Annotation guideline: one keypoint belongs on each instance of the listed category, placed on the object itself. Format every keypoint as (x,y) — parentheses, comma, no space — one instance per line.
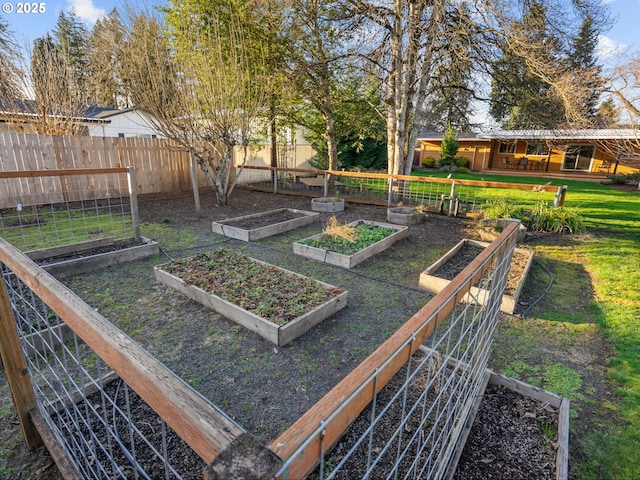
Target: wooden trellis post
(15,367)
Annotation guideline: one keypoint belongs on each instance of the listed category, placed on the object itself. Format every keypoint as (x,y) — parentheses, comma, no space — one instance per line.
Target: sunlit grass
(34,230)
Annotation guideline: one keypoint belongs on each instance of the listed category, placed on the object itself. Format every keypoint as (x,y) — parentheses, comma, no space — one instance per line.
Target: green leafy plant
(540,217)
(262,289)
(449,147)
(360,237)
(428,162)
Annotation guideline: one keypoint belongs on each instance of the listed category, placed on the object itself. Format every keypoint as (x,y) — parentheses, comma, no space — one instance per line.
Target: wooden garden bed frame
(278,334)
(430,281)
(222,228)
(350,261)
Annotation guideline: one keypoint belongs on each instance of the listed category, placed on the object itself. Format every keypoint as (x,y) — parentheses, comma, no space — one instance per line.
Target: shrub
(463,162)
(463,170)
(429,162)
(623,179)
(449,147)
(538,218)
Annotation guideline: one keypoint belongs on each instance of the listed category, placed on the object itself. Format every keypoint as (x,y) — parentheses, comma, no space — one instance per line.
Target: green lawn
(610,252)
(33,230)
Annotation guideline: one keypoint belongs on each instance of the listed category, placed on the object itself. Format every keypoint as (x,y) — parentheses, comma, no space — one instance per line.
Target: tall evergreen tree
(585,67)
(72,36)
(520,97)
(9,58)
(451,93)
(104,81)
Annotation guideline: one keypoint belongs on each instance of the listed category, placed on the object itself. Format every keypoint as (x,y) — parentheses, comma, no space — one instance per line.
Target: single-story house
(127,123)
(20,116)
(603,151)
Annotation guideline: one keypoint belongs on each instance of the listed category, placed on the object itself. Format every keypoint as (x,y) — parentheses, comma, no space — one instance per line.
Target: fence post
(15,367)
(325,192)
(389,190)
(558,201)
(194,179)
(452,199)
(246,458)
(133,200)
(274,171)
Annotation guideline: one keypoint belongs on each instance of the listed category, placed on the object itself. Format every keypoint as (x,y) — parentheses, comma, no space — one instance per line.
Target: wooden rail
(386,361)
(198,423)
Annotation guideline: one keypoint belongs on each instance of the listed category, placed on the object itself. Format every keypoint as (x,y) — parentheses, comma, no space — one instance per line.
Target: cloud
(608,48)
(86,10)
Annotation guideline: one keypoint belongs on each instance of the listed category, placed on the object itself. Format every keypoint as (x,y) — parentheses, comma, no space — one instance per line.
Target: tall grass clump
(541,217)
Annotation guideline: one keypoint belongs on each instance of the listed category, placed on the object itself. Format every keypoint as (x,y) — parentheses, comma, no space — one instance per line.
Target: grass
(36,229)
(609,258)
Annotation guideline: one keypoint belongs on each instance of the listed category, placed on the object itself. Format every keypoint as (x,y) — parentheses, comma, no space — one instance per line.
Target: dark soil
(269,218)
(262,387)
(512,437)
(468,253)
(179,455)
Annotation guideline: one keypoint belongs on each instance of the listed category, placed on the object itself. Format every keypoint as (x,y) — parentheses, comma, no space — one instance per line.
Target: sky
(624,35)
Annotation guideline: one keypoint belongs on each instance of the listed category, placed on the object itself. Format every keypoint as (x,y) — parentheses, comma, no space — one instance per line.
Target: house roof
(103,112)
(427,135)
(26,109)
(564,134)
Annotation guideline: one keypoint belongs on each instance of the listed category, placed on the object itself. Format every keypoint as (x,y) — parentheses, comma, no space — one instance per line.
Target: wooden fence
(162,165)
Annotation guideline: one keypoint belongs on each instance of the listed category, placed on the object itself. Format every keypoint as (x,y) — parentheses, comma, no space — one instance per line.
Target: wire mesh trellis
(412,425)
(444,195)
(103,426)
(68,208)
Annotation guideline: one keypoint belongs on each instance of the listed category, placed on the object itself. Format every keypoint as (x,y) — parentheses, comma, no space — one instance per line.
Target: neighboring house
(127,123)
(20,116)
(605,151)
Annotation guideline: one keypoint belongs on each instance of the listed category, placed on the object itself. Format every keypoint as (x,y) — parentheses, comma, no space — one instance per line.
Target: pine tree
(520,98)
(71,36)
(585,67)
(104,81)
(9,57)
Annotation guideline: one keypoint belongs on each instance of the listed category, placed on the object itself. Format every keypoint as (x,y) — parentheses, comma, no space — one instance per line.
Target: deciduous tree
(203,85)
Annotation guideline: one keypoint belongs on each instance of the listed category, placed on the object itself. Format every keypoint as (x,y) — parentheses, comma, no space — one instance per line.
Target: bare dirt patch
(468,253)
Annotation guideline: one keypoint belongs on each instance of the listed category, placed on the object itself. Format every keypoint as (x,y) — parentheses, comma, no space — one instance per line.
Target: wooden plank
(65,466)
(203,427)
(61,173)
(562,455)
(526,390)
(15,367)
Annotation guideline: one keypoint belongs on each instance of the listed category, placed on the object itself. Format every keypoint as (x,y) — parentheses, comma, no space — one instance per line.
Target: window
(507,147)
(537,149)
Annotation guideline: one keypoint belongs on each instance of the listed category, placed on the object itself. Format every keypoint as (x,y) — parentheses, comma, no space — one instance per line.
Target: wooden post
(133,200)
(15,367)
(244,459)
(558,201)
(194,179)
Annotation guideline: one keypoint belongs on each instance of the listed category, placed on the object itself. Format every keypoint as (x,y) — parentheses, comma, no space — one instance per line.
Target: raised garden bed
(514,430)
(312,247)
(275,303)
(92,255)
(439,275)
(517,428)
(327,204)
(404,215)
(264,224)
